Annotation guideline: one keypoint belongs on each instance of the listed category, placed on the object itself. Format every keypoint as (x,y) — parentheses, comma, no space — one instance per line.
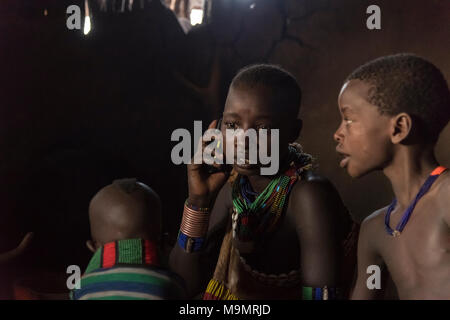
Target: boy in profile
(393,110)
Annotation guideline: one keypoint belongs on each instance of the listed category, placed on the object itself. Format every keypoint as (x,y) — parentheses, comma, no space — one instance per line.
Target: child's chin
(247,170)
(356,173)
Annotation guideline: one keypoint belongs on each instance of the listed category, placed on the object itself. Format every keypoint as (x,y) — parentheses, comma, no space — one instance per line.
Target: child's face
(252,109)
(364,134)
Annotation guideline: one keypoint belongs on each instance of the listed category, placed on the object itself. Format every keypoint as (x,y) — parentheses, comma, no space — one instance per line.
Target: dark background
(78,111)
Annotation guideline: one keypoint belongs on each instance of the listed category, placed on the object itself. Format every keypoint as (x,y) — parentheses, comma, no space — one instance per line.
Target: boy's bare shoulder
(374,221)
(443,194)
(444,189)
(372,227)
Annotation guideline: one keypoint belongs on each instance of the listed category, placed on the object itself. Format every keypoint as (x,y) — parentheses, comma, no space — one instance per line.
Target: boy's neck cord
(407,214)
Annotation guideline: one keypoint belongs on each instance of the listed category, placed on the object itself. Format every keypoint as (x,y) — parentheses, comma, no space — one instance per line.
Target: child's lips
(345,157)
(246,166)
(242,160)
(344,161)
(244,163)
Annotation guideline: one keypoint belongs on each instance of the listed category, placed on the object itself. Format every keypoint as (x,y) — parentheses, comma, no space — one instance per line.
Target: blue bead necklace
(407,214)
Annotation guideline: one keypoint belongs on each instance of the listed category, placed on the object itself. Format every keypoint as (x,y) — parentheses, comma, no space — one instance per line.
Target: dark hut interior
(80,108)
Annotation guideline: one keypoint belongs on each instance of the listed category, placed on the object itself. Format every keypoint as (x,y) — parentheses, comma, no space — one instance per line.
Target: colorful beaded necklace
(407,214)
(253,214)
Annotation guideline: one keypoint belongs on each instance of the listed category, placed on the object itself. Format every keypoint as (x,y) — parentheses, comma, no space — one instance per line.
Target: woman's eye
(263,127)
(230,125)
(348,121)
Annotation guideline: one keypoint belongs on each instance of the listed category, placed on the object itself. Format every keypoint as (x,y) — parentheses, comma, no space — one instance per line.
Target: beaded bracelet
(325,293)
(190,244)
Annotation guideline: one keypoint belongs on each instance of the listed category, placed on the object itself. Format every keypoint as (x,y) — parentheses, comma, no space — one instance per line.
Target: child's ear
(401,127)
(91,246)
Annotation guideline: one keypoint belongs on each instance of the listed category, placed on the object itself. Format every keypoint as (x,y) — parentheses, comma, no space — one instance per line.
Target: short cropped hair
(149,199)
(408,83)
(286,91)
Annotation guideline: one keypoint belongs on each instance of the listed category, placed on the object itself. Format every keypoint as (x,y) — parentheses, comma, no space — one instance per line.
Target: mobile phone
(223,167)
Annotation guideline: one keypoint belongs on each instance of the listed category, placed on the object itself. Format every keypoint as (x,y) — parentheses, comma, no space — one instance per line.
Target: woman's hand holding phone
(204,181)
